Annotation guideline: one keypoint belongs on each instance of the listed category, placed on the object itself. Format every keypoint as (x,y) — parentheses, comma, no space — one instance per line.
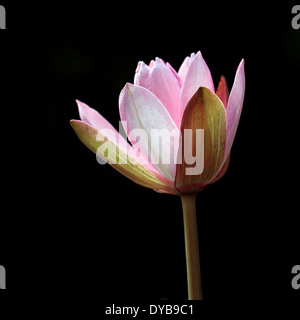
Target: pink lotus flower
(159,99)
(173,104)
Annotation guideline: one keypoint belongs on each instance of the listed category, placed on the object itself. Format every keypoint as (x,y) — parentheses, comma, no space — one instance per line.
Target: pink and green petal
(223,170)
(119,160)
(96,120)
(204,111)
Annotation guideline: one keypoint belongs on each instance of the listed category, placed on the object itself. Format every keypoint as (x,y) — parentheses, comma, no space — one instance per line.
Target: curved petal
(182,72)
(150,128)
(96,120)
(141,74)
(198,75)
(164,83)
(175,74)
(204,111)
(223,170)
(234,106)
(119,160)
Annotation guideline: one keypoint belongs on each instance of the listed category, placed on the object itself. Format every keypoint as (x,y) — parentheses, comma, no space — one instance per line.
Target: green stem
(191,246)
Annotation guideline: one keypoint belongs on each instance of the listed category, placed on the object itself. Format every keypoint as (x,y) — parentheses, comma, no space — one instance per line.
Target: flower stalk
(188,201)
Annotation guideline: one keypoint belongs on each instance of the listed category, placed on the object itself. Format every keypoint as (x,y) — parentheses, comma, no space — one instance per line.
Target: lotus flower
(171,104)
(163,99)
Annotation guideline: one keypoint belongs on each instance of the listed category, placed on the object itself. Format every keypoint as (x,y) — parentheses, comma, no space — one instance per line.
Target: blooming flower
(163,99)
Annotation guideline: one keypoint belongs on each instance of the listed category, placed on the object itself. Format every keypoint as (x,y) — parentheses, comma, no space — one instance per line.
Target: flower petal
(118,159)
(223,170)
(182,72)
(96,120)
(204,111)
(184,68)
(234,107)
(198,75)
(143,112)
(222,91)
(141,74)
(163,81)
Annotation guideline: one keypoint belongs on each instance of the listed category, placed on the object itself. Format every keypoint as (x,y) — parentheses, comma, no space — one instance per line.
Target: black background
(78,231)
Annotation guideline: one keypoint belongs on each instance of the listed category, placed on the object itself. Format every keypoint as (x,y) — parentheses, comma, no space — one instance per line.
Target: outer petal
(204,111)
(234,107)
(223,170)
(198,75)
(142,110)
(96,120)
(126,165)
(164,83)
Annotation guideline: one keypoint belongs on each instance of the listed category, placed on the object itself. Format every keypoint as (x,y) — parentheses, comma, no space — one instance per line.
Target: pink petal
(119,160)
(182,72)
(198,75)
(162,80)
(96,120)
(234,106)
(141,109)
(141,74)
(175,74)
(151,64)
